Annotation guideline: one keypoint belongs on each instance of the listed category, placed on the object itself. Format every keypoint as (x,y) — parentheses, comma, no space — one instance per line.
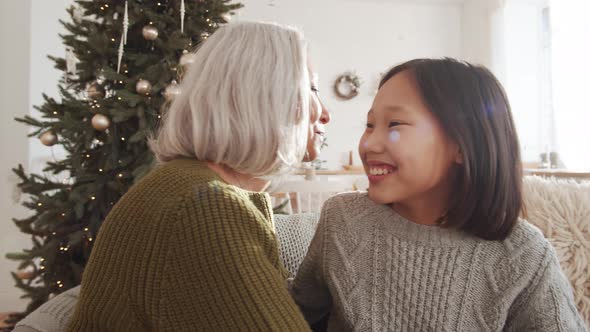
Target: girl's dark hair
(474,111)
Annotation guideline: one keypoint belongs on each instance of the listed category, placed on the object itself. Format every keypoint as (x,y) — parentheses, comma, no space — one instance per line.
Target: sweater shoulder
(520,259)
(352,200)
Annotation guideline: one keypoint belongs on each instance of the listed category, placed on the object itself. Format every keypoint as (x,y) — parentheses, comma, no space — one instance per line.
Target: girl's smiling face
(405,151)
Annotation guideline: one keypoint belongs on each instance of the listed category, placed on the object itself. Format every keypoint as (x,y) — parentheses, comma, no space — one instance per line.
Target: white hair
(242,101)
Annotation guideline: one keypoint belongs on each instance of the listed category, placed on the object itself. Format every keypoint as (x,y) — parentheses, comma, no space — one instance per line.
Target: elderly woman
(191,246)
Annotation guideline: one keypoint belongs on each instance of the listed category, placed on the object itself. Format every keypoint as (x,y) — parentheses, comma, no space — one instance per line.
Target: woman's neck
(244,181)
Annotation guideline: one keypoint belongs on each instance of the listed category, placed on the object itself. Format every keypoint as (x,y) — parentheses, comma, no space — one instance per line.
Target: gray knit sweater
(376,271)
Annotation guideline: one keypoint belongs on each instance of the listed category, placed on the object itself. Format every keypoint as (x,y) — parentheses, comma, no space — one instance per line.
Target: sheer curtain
(570,30)
(541,53)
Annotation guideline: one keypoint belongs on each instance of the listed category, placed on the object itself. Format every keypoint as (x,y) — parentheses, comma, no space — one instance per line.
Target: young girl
(436,243)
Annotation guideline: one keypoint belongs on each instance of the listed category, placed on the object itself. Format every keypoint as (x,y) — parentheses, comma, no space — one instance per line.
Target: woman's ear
(458,155)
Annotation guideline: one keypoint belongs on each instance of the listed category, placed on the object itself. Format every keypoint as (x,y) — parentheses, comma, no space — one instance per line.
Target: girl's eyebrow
(393,108)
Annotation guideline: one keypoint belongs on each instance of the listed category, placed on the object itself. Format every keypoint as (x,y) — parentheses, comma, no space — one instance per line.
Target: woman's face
(318,117)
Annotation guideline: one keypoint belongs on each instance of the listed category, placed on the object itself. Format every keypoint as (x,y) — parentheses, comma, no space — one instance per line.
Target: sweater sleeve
(547,304)
(309,288)
(221,273)
(53,315)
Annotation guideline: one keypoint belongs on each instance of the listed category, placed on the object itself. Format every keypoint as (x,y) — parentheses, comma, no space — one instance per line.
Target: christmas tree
(123,59)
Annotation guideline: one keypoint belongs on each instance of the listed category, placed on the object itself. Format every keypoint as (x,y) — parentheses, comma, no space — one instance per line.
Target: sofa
(559,207)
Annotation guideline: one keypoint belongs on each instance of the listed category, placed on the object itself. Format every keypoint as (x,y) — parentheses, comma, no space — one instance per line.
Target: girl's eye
(394,124)
(369,125)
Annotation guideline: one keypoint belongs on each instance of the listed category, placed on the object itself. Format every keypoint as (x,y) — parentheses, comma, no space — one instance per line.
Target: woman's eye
(394,124)
(369,125)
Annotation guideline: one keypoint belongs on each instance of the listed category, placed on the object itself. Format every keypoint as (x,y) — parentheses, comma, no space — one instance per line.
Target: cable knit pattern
(185,251)
(373,270)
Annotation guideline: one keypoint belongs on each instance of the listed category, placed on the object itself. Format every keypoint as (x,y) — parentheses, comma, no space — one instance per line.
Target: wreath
(347,86)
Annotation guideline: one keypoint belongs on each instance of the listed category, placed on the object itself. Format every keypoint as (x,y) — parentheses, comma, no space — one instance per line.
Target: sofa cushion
(561,209)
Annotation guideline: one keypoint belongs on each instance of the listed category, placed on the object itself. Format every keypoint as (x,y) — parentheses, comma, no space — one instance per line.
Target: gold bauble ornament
(150,32)
(25,274)
(48,138)
(94,91)
(143,87)
(187,58)
(100,122)
(172,91)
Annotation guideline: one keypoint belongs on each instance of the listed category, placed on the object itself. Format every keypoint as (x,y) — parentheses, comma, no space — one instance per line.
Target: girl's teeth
(377,171)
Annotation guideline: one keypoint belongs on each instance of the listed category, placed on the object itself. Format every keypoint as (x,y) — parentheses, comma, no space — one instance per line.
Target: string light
(86,229)
(122,138)
(120,175)
(54,113)
(112,39)
(92,198)
(87,156)
(39,204)
(100,170)
(106,5)
(89,239)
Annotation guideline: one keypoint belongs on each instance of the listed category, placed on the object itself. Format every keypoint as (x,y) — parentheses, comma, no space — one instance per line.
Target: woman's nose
(325,117)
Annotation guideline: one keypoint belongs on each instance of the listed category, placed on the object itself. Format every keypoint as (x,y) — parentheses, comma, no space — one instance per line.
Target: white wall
(367,37)
(14,102)
(45,30)
(28,32)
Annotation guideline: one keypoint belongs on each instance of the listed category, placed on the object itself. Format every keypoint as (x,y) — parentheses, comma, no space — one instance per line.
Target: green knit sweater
(185,251)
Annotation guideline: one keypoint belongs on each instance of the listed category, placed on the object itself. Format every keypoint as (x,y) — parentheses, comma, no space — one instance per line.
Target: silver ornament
(143,87)
(78,14)
(226,17)
(187,58)
(71,61)
(150,32)
(100,122)
(48,138)
(172,91)
(182,12)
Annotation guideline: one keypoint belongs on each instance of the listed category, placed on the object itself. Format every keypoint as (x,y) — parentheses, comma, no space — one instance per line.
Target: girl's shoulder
(525,236)
(517,259)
